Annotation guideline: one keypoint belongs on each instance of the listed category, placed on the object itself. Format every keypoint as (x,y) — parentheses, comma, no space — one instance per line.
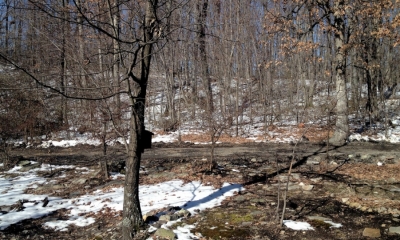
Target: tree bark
(341,126)
(132,214)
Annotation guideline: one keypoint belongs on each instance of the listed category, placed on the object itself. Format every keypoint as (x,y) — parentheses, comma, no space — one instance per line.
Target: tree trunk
(132,214)
(341,127)
(205,74)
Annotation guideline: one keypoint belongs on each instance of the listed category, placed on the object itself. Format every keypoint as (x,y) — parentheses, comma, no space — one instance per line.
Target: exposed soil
(347,186)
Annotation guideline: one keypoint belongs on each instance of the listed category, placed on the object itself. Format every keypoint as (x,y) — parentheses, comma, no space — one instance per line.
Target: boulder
(372,232)
(394,230)
(165,233)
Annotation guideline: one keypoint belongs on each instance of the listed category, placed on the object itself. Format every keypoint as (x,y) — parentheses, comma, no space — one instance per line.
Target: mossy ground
(222,223)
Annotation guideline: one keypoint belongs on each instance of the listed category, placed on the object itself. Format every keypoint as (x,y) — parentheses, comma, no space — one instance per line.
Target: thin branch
(55,89)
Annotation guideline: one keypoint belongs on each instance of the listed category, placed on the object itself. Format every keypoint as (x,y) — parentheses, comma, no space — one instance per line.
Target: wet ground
(356,185)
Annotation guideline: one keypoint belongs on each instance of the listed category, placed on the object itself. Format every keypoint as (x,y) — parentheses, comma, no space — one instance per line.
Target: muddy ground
(356,185)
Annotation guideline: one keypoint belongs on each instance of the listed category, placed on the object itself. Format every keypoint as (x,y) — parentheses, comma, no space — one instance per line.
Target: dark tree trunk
(132,214)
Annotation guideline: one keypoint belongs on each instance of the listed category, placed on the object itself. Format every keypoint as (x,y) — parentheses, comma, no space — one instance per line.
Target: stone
(246,224)
(315,160)
(183,213)
(318,218)
(165,218)
(23,163)
(372,232)
(366,157)
(79,181)
(295,176)
(254,160)
(394,230)
(395,189)
(290,187)
(354,205)
(30,167)
(240,198)
(316,180)
(165,233)
(382,210)
(364,209)
(257,213)
(307,187)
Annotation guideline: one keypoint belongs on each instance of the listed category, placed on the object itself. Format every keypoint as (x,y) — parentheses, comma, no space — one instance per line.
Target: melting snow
(191,196)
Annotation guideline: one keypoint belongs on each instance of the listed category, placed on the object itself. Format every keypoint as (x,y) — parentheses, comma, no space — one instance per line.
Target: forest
(212,62)
(112,67)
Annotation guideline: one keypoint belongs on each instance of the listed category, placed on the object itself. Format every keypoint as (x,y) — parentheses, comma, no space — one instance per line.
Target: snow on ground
(286,133)
(297,225)
(190,196)
(301,226)
(70,143)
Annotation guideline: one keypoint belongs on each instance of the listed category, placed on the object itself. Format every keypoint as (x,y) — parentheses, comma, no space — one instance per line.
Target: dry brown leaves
(313,133)
(372,172)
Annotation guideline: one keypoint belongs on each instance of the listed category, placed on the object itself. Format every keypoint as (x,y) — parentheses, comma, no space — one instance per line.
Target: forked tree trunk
(132,214)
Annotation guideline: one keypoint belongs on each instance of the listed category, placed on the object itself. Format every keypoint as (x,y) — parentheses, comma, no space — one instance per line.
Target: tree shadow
(258,179)
(219,193)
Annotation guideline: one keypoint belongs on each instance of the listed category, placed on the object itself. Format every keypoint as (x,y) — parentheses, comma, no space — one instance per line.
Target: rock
(258,200)
(257,213)
(366,157)
(354,205)
(395,189)
(318,218)
(372,232)
(316,160)
(79,181)
(246,224)
(165,218)
(254,160)
(23,163)
(30,167)
(382,210)
(307,187)
(344,200)
(364,209)
(316,180)
(183,213)
(293,176)
(240,198)
(165,233)
(394,230)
